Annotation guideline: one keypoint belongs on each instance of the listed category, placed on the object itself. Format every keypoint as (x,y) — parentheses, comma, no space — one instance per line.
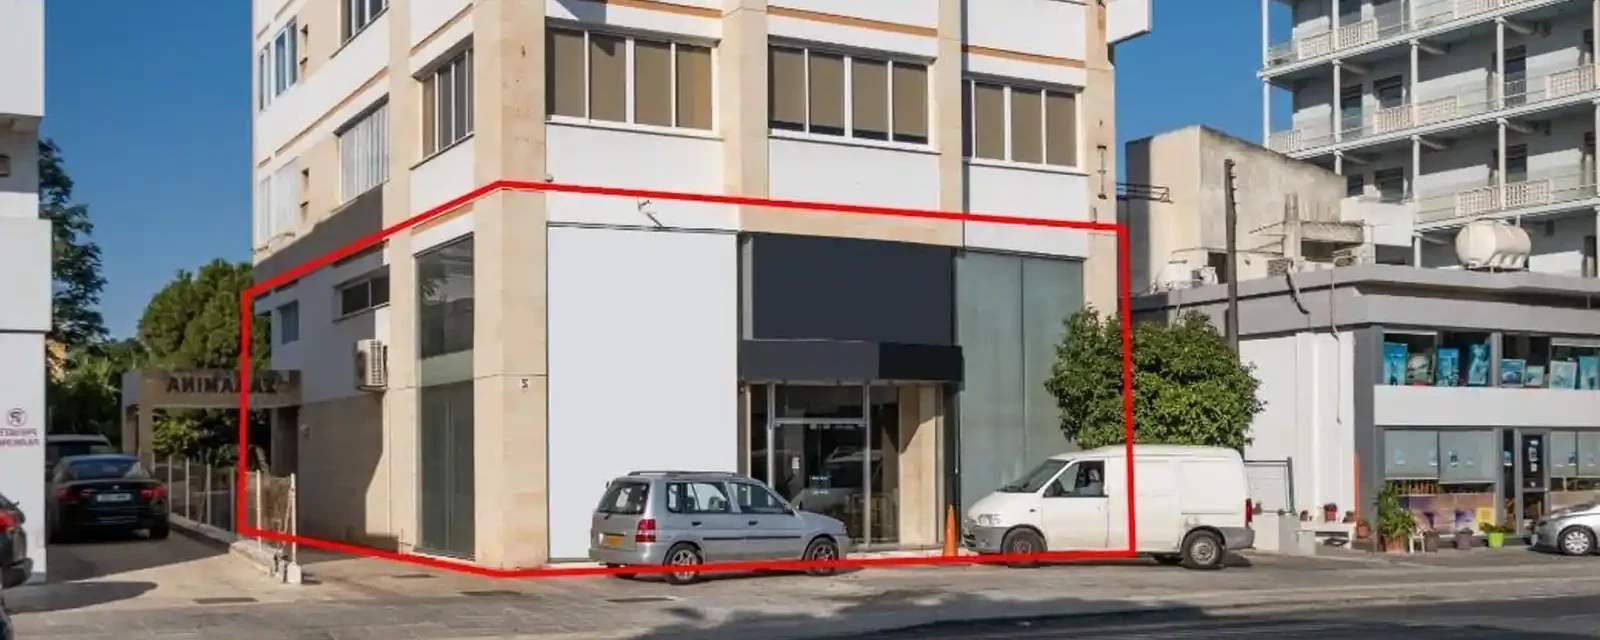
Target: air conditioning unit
(1203,276)
(372,365)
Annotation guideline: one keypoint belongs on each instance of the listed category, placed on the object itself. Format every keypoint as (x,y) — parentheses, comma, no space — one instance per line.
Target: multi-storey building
(848,361)
(25,259)
(1463,109)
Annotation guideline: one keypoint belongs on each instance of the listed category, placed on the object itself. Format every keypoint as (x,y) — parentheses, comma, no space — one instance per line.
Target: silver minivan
(684,519)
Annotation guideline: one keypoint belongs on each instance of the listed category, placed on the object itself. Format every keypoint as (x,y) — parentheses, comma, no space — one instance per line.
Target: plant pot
(1463,540)
(1363,531)
(1496,540)
(1330,515)
(1394,544)
(1430,542)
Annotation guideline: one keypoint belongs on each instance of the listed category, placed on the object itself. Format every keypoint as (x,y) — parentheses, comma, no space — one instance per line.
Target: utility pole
(1231,223)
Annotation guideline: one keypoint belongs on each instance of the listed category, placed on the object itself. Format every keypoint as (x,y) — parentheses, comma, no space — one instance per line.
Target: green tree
(1188,386)
(87,397)
(193,323)
(76,257)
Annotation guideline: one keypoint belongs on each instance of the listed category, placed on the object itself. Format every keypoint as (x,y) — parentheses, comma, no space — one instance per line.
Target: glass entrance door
(820,466)
(1533,475)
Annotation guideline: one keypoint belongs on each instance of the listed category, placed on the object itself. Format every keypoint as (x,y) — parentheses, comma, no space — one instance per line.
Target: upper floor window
(361,295)
(844,95)
(447,103)
(289,323)
(360,13)
(613,78)
(278,65)
(1020,124)
(364,153)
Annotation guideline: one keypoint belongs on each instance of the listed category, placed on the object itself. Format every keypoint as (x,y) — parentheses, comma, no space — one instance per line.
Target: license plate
(611,539)
(114,497)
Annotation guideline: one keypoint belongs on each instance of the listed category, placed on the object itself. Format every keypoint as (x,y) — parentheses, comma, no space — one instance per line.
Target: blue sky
(156,128)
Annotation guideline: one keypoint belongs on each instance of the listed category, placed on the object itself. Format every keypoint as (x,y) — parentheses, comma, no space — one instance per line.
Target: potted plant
(1305,516)
(1349,517)
(1496,533)
(1395,523)
(1330,512)
(1363,530)
(1463,539)
(1430,541)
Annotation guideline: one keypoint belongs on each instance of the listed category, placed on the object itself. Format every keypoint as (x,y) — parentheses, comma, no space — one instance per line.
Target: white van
(1192,503)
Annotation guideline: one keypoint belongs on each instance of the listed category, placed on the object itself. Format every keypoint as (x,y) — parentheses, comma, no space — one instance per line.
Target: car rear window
(625,498)
(105,469)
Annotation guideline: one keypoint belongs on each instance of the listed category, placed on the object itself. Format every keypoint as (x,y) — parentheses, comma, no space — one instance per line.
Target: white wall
(22,433)
(845,172)
(683,161)
(1308,418)
(643,363)
(22,50)
(1041,193)
(444,177)
(1405,406)
(325,352)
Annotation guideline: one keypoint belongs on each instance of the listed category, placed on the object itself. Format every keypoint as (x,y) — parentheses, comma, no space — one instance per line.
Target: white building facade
(25,259)
(540,345)
(1461,109)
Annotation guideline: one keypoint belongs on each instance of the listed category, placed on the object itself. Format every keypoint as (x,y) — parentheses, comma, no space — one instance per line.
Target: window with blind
(611,78)
(277,65)
(263,213)
(447,103)
(360,13)
(364,153)
(833,94)
(1020,124)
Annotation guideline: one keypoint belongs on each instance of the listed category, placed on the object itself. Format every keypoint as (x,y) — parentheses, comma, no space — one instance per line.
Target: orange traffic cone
(951,533)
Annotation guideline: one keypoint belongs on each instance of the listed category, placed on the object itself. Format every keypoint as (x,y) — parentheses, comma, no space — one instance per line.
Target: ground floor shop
(1473,394)
(881,383)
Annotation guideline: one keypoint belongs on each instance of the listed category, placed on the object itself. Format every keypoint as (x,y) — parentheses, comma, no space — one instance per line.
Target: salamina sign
(265,382)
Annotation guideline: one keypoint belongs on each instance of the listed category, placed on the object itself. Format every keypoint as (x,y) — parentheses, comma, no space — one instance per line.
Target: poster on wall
(1394,363)
(1589,372)
(1563,374)
(1478,365)
(1511,372)
(1419,369)
(1533,376)
(1449,368)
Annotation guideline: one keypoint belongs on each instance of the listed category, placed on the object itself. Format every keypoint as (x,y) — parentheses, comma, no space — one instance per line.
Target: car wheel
(1203,550)
(1575,541)
(822,550)
(1168,559)
(1022,542)
(160,531)
(683,557)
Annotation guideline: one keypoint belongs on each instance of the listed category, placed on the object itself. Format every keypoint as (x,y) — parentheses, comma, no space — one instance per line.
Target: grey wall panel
(989,294)
(1051,291)
(1467,456)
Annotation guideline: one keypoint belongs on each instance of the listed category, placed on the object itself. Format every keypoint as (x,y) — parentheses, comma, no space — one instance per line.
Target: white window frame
(278,65)
(364,152)
(263,212)
(360,14)
(849,95)
(285,200)
(284,311)
(1044,122)
(461,60)
(628,91)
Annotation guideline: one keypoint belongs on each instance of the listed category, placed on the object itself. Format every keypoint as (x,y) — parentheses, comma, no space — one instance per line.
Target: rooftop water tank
(1493,246)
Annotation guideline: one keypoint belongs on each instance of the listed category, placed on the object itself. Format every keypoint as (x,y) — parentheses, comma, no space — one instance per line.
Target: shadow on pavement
(91,557)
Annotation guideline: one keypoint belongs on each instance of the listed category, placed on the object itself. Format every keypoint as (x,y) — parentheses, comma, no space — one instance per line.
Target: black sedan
(106,493)
(15,566)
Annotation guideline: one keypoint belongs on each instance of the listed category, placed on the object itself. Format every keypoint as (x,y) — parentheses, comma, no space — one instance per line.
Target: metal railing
(1411,17)
(1556,85)
(1470,202)
(208,494)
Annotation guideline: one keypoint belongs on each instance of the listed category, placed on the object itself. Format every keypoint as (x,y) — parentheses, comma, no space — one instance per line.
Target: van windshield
(1036,479)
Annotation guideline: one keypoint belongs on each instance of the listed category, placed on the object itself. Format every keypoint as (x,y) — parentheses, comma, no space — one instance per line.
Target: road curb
(245,549)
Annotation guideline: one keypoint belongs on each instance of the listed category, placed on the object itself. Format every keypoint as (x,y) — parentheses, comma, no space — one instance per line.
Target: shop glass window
(1574,364)
(1408,357)
(1524,360)
(1462,359)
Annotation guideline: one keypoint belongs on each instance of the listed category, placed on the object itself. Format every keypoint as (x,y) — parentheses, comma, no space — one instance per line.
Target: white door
(1075,508)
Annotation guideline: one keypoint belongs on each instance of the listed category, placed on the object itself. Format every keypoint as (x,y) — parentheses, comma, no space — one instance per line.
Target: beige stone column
(147,434)
(510,416)
(742,97)
(130,429)
(1097,117)
(921,418)
(948,117)
(397,469)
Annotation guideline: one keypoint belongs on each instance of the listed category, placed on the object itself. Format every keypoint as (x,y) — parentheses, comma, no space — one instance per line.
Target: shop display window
(1524,361)
(1574,364)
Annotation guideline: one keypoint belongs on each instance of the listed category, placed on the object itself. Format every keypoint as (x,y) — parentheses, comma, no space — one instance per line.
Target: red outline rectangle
(261,288)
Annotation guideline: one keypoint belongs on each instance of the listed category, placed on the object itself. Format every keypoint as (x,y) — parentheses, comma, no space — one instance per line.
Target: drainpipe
(1338,96)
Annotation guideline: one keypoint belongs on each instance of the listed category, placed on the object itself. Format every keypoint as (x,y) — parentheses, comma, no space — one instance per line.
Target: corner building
(875,369)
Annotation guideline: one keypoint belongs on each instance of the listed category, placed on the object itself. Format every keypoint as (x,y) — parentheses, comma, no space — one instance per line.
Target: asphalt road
(1530,619)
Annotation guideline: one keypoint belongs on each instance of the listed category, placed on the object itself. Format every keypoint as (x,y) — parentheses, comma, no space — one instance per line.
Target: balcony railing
(1412,17)
(1517,93)
(1460,204)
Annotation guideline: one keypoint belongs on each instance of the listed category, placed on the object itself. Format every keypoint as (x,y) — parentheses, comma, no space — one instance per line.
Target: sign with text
(216,388)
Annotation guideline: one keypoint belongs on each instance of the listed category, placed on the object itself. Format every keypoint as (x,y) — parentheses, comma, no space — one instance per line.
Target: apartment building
(1461,109)
(25,259)
(848,361)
